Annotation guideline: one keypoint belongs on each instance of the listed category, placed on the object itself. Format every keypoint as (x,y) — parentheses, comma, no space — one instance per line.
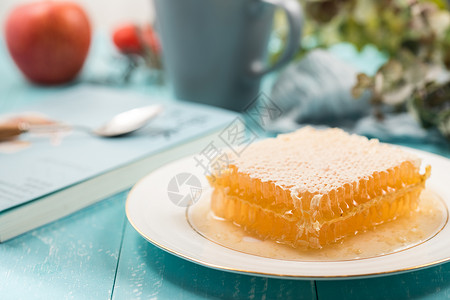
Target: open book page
(35,165)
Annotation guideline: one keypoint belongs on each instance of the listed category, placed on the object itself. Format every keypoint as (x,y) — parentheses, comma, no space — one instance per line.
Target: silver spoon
(121,124)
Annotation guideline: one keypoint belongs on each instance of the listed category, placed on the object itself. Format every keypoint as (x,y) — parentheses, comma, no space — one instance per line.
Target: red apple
(48,41)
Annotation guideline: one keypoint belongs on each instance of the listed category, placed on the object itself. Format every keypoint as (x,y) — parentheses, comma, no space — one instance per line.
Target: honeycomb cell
(314,187)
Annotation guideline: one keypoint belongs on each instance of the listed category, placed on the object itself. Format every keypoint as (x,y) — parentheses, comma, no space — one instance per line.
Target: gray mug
(214,51)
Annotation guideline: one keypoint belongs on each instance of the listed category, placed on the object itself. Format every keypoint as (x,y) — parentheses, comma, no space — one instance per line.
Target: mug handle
(294,15)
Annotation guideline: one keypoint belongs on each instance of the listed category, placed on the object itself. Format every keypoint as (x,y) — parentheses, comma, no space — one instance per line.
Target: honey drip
(402,233)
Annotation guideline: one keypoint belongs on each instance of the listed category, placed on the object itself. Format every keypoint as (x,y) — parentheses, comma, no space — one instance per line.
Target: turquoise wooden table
(96,254)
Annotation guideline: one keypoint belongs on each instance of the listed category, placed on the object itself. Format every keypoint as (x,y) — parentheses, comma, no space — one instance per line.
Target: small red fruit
(127,40)
(133,39)
(150,39)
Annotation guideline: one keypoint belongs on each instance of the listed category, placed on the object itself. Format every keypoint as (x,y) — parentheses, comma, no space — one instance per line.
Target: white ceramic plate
(161,222)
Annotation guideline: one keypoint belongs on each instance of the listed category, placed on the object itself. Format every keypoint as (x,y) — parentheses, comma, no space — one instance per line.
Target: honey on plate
(403,233)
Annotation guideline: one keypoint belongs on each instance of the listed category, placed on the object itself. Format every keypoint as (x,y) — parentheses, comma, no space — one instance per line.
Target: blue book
(44,177)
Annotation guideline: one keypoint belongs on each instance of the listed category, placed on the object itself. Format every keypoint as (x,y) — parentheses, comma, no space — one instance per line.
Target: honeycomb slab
(314,187)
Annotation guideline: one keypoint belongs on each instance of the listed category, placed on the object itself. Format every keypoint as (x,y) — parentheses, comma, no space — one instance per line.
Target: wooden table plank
(75,257)
(431,283)
(146,272)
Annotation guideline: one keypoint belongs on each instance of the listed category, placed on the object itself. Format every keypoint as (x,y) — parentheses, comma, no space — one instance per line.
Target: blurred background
(375,68)
(104,14)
